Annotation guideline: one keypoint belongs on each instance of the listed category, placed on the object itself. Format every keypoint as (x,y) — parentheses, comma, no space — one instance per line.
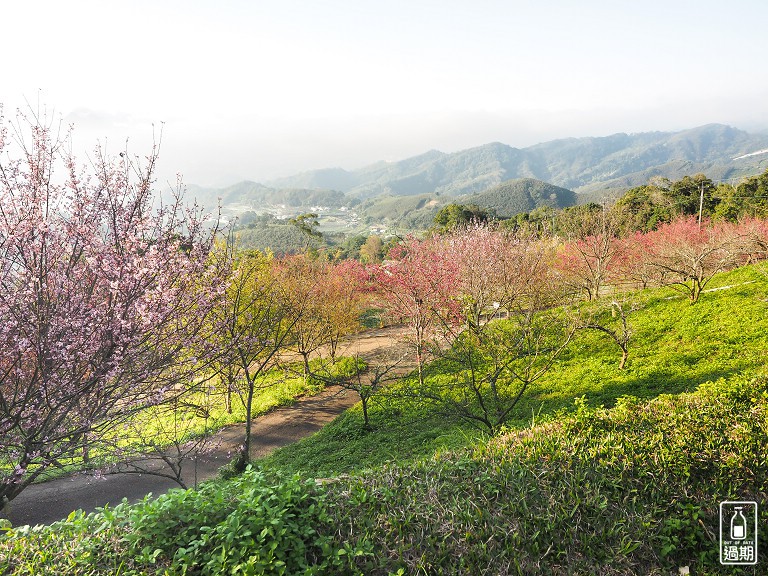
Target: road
(50,501)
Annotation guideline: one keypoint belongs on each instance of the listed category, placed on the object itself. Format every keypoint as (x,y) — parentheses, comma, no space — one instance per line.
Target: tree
(102,297)
(346,290)
(748,199)
(301,278)
(418,287)
(367,379)
(586,261)
(161,440)
(309,227)
(455,216)
(686,194)
(371,251)
(644,208)
(251,325)
(686,256)
(493,362)
(632,265)
(620,335)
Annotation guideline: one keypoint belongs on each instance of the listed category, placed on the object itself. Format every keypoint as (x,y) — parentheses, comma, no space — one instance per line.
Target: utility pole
(701,203)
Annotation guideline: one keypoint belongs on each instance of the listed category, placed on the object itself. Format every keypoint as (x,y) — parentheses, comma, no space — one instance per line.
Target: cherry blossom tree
(419,287)
(301,278)
(687,255)
(587,260)
(347,294)
(103,295)
(494,362)
(753,239)
(632,267)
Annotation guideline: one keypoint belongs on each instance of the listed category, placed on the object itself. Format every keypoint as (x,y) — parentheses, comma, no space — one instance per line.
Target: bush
(257,524)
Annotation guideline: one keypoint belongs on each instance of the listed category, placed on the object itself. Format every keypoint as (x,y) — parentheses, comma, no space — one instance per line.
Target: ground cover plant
(629,487)
(629,490)
(674,347)
(626,490)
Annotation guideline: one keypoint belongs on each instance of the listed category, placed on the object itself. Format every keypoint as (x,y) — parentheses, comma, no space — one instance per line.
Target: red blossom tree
(102,297)
(419,286)
(347,294)
(686,255)
(632,267)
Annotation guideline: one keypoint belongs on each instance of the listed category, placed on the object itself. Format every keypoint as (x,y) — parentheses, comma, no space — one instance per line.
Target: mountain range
(592,167)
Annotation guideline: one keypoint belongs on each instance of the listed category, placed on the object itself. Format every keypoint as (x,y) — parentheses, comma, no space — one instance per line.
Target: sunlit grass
(675,347)
(201,412)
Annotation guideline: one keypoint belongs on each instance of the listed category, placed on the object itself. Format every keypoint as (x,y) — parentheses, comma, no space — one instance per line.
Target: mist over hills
(592,167)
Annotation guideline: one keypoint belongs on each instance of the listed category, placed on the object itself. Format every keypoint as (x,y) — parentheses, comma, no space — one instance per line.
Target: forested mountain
(407,194)
(521,195)
(259,196)
(580,164)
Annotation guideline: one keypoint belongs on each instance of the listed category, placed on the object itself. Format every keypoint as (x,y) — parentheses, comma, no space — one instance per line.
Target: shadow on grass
(645,387)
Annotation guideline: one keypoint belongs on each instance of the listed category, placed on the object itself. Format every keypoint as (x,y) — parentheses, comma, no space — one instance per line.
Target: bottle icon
(738,524)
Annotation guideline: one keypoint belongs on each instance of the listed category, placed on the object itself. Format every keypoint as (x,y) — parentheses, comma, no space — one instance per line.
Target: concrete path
(50,501)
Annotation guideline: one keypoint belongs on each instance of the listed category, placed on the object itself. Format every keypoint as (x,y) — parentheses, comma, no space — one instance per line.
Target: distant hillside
(523,195)
(401,213)
(495,175)
(257,196)
(580,164)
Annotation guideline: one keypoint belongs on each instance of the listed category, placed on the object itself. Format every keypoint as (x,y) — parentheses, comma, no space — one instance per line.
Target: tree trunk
(305,356)
(364,402)
(245,456)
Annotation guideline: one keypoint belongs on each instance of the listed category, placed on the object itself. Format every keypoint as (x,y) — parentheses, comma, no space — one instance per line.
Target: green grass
(622,473)
(629,490)
(278,387)
(675,347)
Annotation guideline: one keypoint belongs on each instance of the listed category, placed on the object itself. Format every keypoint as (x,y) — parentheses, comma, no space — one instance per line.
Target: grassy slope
(675,347)
(631,489)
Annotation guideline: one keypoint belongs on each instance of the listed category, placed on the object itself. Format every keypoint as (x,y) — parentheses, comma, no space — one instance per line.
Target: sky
(260,89)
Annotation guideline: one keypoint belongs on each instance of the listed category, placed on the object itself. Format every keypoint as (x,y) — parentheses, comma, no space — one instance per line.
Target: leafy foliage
(522,195)
(260,523)
(630,490)
(455,216)
(633,488)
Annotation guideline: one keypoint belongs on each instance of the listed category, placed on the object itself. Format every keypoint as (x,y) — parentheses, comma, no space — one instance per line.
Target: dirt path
(54,500)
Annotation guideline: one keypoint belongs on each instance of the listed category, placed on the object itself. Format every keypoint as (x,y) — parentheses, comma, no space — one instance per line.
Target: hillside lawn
(602,471)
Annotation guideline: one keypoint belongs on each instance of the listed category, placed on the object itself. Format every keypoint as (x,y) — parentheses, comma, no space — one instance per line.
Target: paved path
(54,500)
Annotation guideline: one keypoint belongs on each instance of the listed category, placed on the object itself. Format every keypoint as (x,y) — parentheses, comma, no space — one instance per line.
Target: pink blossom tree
(587,261)
(418,286)
(687,255)
(494,362)
(102,297)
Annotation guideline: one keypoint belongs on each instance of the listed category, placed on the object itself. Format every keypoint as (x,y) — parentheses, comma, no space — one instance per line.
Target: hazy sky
(265,88)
